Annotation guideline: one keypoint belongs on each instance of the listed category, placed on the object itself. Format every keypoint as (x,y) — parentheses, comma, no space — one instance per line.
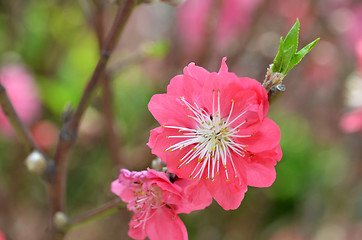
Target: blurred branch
(20,129)
(68,133)
(114,142)
(118,66)
(105,210)
(251,32)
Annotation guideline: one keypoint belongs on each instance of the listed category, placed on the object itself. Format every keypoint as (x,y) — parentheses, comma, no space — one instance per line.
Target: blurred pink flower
(45,134)
(228,18)
(354,34)
(156,202)
(21,89)
(352,121)
(215,131)
(2,237)
(359,55)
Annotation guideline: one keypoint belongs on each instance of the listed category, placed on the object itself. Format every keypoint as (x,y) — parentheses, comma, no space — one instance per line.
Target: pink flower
(352,122)
(156,202)
(2,237)
(229,19)
(22,92)
(215,131)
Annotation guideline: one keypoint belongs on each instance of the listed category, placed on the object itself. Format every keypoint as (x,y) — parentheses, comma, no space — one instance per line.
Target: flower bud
(60,220)
(36,162)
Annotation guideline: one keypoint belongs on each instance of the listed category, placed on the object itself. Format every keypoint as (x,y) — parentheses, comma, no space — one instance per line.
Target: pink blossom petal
(267,137)
(223,67)
(166,107)
(135,231)
(166,225)
(198,197)
(227,194)
(261,168)
(199,74)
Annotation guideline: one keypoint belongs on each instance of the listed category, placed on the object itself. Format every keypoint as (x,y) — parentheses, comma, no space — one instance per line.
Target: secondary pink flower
(156,202)
(22,91)
(352,122)
(215,131)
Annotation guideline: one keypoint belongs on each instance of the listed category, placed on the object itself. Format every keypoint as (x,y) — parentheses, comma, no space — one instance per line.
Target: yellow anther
(232,100)
(228,180)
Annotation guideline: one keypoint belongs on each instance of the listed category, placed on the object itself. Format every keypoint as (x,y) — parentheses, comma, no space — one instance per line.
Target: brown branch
(20,129)
(114,142)
(68,133)
(105,210)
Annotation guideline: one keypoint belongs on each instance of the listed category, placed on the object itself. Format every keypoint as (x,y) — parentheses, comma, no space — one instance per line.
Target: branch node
(105,54)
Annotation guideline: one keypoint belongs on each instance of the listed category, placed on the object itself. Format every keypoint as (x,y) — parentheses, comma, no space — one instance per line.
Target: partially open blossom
(214,131)
(352,121)
(156,202)
(21,89)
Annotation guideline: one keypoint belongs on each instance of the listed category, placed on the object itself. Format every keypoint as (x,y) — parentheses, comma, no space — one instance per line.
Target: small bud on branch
(36,163)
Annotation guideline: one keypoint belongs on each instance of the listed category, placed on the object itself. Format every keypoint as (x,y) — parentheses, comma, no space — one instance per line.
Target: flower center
(212,140)
(145,202)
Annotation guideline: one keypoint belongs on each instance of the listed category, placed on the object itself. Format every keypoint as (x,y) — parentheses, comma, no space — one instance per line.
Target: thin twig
(105,210)
(68,133)
(20,129)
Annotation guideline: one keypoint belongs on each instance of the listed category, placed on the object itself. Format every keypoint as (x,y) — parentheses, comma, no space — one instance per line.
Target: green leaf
(298,56)
(291,40)
(278,59)
(287,56)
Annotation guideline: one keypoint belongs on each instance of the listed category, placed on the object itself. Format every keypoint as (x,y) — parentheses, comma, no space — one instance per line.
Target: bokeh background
(49,48)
